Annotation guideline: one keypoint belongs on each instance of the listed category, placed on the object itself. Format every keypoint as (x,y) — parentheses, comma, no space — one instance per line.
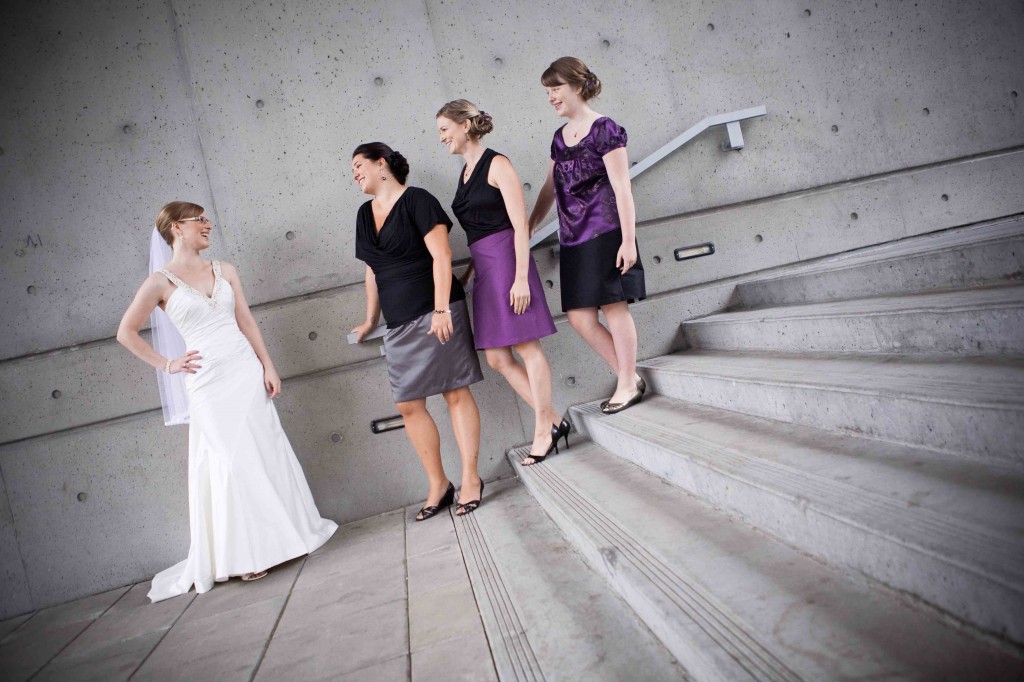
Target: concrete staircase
(826,484)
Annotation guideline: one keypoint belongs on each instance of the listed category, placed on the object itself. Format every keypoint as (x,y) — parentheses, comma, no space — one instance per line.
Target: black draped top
(479,206)
(398,256)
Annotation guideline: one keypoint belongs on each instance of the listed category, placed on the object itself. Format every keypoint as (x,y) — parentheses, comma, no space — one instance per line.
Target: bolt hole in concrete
(854,216)
(787,34)
(289,235)
(945,197)
(527,186)
(82,497)
(31,289)
(570,381)
(807,12)
(498,61)
(758,238)
(259,104)
(56,395)
(335,437)
(926,111)
(608,43)
(1013,93)
(835,129)
(126,129)
(549,284)
(657,260)
(378,81)
(312,336)
(711,27)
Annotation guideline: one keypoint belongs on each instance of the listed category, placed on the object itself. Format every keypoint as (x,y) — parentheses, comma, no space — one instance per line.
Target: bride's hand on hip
(626,257)
(187,363)
(272,381)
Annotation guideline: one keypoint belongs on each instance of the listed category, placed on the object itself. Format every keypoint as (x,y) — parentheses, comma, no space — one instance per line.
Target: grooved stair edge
(514,658)
(956,565)
(984,421)
(708,640)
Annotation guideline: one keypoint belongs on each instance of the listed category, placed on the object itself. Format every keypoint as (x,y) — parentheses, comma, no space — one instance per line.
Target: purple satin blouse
(583,193)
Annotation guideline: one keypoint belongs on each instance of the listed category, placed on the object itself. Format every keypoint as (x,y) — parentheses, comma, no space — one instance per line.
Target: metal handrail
(731,121)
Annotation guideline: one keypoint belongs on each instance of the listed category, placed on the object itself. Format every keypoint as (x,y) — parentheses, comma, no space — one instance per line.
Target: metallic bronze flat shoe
(614,408)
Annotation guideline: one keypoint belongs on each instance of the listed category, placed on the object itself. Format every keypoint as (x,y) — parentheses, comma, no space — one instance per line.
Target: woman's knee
(411,408)
(458,397)
(499,359)
(582,319)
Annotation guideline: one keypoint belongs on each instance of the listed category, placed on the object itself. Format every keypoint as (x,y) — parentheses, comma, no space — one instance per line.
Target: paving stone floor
(385,599)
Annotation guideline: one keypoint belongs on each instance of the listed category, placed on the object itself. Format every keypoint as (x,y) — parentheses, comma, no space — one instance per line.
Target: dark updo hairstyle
(574,72)
(375,151)
(462,110)
(175,212)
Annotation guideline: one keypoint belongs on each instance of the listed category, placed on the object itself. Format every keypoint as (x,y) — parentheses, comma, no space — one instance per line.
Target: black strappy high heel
(467,507)
(557,431)
(446,500)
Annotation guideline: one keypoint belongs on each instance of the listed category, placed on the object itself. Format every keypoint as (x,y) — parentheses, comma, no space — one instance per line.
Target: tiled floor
(385,599)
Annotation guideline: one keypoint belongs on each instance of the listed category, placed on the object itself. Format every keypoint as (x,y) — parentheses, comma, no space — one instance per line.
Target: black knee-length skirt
(590,278)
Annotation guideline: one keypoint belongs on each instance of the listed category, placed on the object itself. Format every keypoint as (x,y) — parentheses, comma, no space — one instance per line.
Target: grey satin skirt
(419,365)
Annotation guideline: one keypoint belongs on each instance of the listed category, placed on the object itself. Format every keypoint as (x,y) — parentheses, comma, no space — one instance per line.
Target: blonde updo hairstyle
(572,71)
(462,110)
(174,212)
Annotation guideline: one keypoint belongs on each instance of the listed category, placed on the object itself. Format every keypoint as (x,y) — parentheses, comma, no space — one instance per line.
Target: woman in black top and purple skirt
(509,308)
(600,263)
(402,236)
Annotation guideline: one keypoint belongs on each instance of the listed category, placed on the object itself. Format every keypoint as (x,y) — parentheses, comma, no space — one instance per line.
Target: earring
(383,178)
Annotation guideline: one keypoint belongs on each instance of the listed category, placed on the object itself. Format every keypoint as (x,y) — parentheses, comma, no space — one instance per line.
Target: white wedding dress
(250,507)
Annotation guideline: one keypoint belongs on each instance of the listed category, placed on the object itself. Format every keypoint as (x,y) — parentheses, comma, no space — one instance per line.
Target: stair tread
(979,298)
(559,601)
(967,512)
(994,231)
(779,613)
(979,382)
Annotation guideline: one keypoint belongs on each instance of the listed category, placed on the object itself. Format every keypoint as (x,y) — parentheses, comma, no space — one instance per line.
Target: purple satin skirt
(494,323)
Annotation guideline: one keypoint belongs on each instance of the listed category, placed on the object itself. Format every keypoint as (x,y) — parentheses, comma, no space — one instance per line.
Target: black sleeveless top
(479,206)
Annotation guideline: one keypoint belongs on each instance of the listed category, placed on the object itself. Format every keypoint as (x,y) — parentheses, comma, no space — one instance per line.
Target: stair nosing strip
(836,388)
(702,608)
(894,312)
(847,495)
(513,635)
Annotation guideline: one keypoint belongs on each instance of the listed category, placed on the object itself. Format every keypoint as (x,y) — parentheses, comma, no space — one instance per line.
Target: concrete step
(976,255)
(982,321)
(547,614)
(730,602)
(946,530)
(969,407)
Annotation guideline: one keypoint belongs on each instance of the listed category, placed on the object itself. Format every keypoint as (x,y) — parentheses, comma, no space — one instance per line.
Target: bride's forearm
(251,330)
(134,342)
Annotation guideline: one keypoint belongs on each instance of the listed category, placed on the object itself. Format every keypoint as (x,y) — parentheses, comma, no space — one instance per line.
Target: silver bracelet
(441,312)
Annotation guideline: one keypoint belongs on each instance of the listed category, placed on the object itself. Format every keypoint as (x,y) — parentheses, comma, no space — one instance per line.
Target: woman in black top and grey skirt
(402,236)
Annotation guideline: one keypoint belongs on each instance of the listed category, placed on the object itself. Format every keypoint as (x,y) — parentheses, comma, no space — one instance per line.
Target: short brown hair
(575,73)
(462,110)
(174,212)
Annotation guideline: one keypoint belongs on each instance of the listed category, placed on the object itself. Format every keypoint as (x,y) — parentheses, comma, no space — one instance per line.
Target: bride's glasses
(202,220)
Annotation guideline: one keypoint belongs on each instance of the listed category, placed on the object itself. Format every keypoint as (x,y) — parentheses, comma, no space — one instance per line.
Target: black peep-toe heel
(446,500)
(557,431)
(467,507)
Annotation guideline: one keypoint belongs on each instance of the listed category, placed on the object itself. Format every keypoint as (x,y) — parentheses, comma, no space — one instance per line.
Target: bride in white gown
(250,507)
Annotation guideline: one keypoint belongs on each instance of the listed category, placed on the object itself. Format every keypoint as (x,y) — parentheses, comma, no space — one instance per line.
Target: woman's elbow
(124,335)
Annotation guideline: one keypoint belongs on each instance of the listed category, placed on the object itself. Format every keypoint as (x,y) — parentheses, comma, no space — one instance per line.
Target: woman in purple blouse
(600,264)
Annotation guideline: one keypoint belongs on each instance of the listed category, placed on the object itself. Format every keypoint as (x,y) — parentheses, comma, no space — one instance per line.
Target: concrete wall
(885,119)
